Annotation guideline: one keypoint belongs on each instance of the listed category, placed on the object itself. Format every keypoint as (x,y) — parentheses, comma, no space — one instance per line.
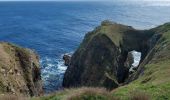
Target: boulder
(67,59)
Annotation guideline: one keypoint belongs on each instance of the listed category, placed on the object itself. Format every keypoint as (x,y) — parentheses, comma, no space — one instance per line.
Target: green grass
(83,93)
(156,92)
(155,80)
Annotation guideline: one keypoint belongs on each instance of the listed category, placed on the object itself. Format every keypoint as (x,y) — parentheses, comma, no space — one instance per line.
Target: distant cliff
(19,71)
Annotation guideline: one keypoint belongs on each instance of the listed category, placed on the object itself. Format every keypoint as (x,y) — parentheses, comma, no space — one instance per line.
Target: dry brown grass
(138,95)
(12,97)
(86,93)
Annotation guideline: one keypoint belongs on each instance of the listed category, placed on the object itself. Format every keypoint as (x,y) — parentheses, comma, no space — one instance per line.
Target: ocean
(55,28)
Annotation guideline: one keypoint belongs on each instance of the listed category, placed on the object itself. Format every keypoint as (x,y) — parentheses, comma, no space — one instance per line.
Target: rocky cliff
(153,73)
(102,57)
(19,71)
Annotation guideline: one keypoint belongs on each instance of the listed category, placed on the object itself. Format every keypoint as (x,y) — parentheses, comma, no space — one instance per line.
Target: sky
(55,0)
(86,0)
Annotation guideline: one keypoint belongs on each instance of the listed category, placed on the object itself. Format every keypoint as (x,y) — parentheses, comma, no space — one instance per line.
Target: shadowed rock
(103,56)
(67,59)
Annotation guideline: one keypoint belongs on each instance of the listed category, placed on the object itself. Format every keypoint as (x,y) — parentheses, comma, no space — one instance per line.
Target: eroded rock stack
(103,58)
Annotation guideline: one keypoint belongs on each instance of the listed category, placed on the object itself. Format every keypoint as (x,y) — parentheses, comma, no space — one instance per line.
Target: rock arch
(101,57)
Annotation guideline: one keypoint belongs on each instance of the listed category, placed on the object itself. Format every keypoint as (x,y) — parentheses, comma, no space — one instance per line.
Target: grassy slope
(155,80)
(83,93)
(113,31)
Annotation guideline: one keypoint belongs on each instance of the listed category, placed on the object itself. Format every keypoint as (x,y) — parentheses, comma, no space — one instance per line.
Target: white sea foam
(61,67)
(137,58)
(53,67)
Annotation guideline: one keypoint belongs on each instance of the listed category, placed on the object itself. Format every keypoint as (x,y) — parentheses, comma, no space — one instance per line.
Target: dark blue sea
(56,28)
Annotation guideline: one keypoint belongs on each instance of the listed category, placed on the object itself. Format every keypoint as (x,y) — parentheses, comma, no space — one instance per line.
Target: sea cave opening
(128,64)
(136,60)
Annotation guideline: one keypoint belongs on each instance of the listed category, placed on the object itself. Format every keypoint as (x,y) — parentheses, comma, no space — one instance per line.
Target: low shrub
(91,94)
(138,95)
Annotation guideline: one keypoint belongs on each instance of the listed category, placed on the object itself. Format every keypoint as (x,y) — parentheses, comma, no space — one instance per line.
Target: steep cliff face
(153,74)
(102,58)
(89,70)
(19,71)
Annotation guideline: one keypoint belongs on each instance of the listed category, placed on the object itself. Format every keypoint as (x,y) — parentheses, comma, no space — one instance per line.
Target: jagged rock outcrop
(19,71)
(102,57)
(67,59)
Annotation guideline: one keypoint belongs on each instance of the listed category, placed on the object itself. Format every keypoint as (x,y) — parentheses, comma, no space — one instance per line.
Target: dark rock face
(95,55)
(103,57)
(67,60)
(129,60)
(157,40)
(21,69)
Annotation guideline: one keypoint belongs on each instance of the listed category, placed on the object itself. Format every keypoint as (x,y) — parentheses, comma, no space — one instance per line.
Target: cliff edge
(19,71)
